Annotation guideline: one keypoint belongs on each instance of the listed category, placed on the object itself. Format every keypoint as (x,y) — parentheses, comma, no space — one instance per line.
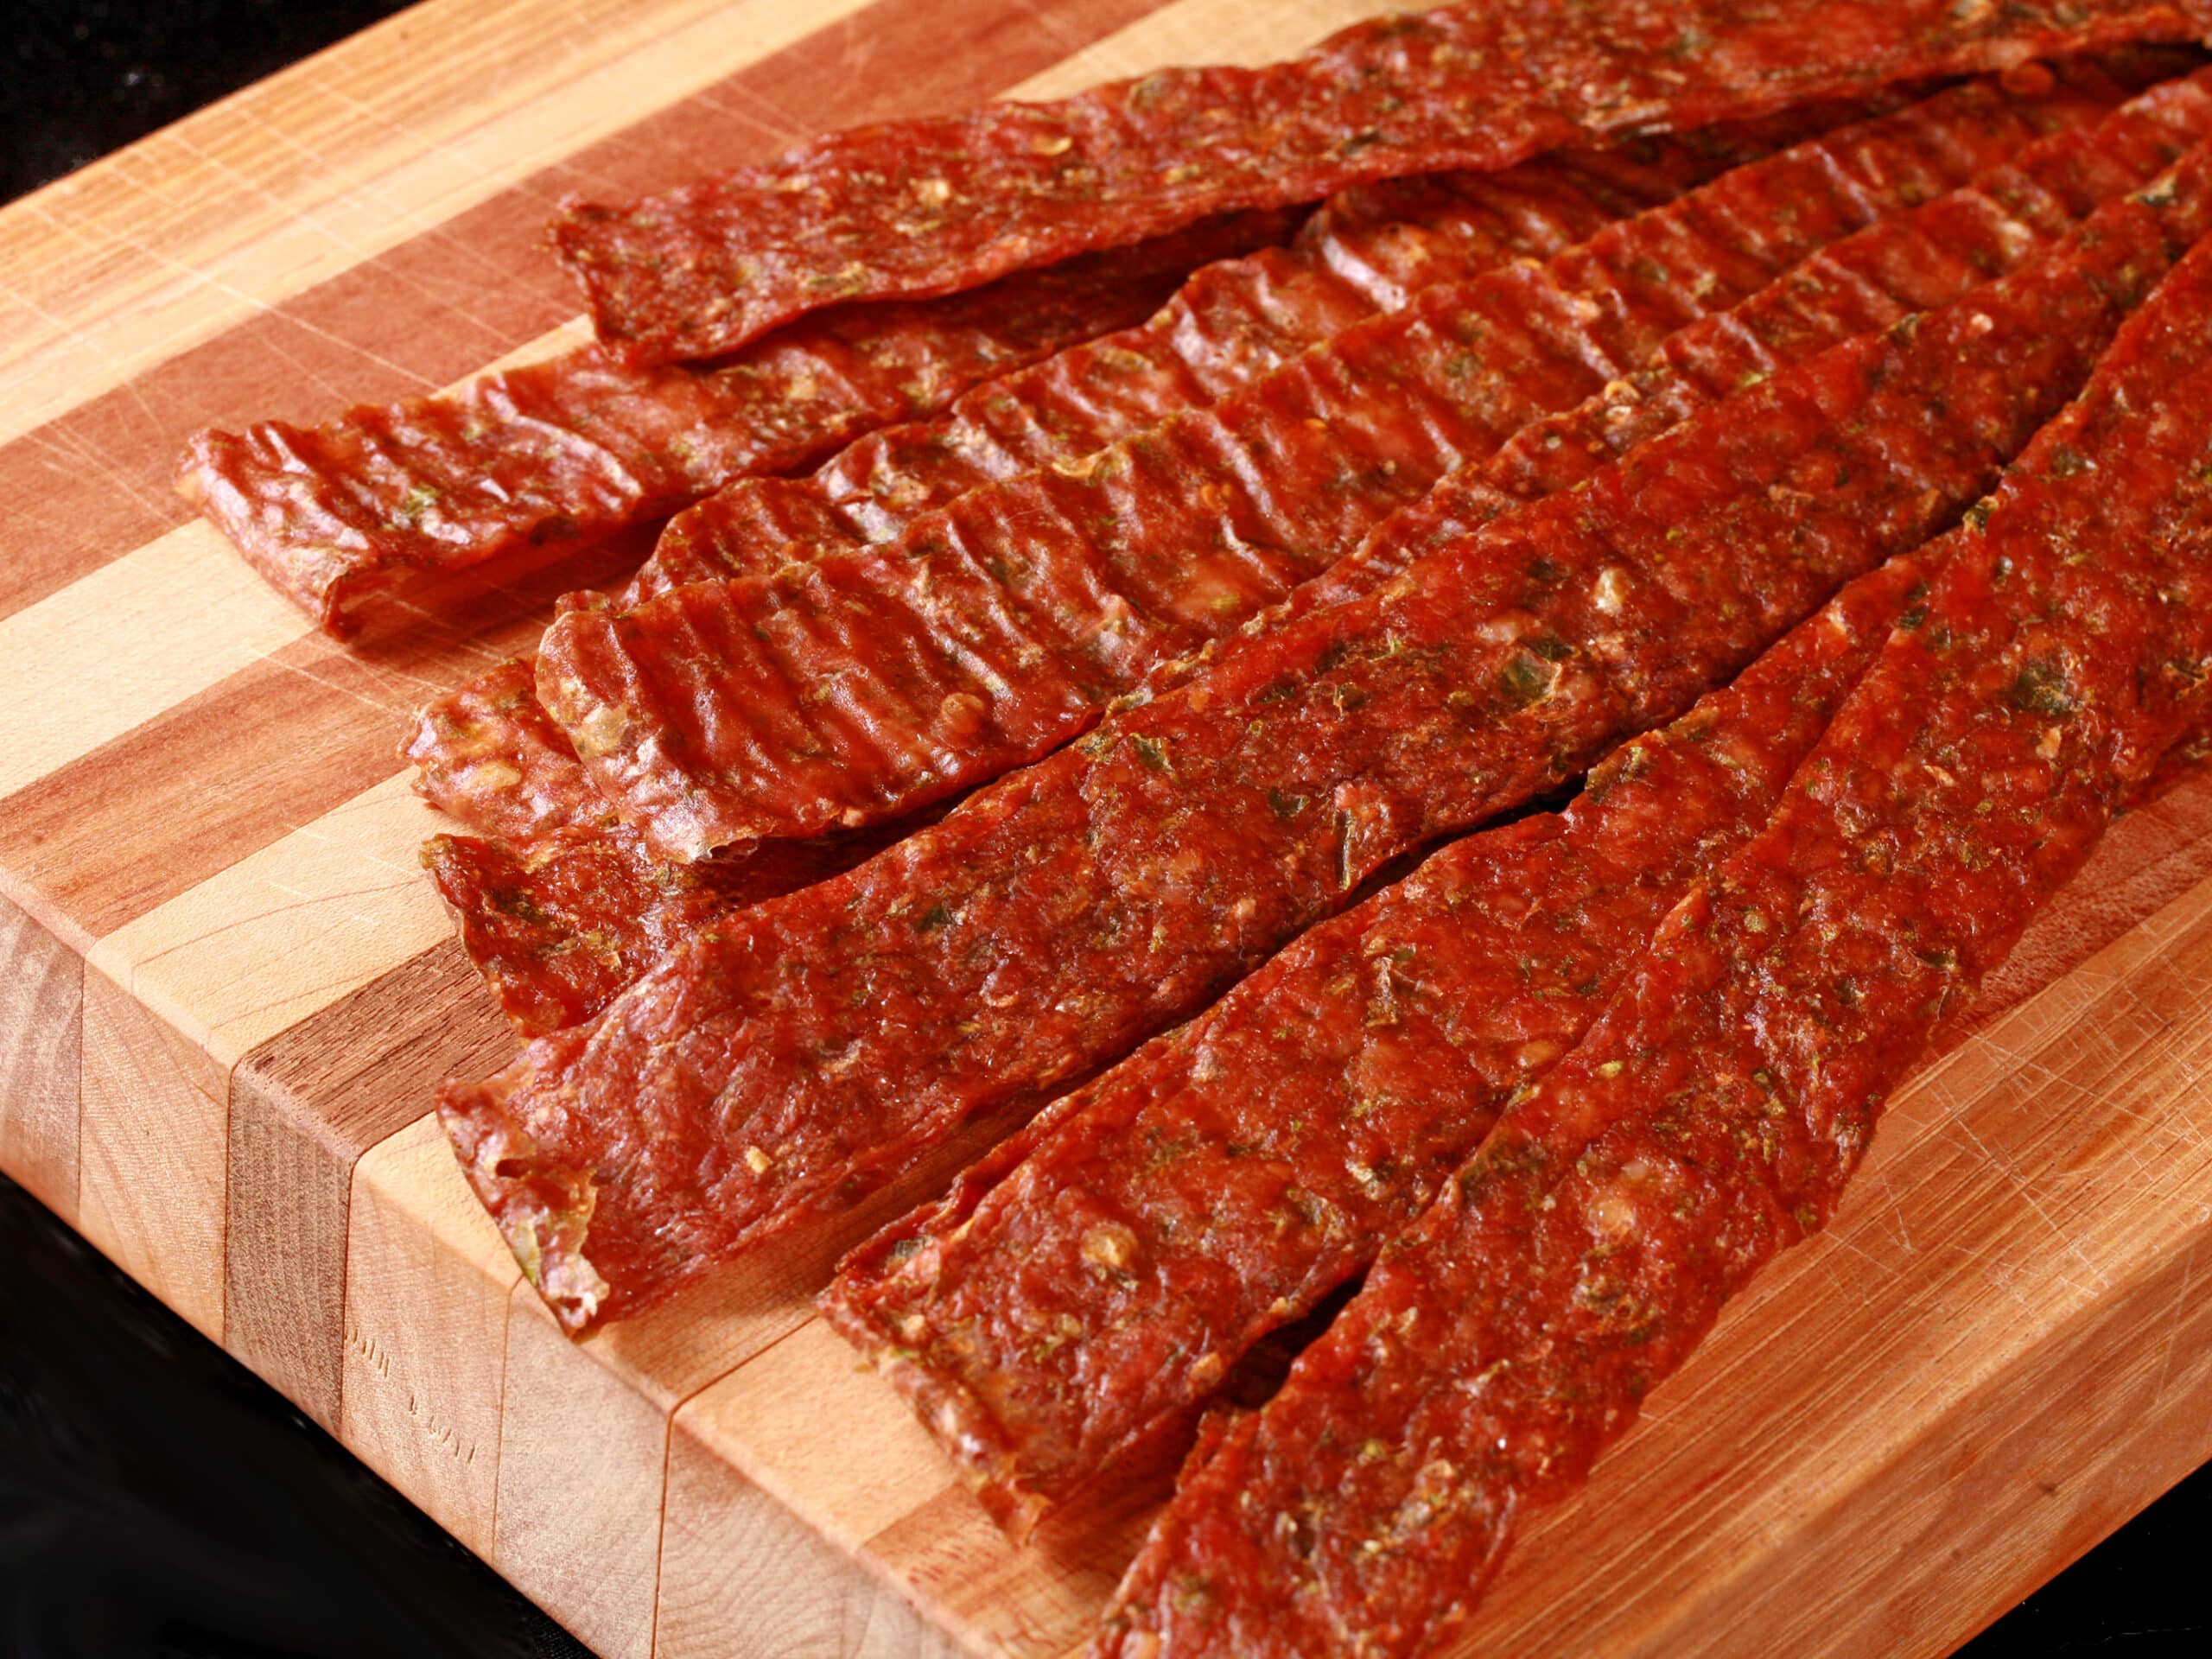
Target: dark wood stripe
(304,1107)
(98,482)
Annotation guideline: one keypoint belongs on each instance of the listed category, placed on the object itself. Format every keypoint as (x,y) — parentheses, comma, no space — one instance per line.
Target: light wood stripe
(287,930)
(42,1030)
(1251,32)
(153,1124)
(428,1280)
(134,639)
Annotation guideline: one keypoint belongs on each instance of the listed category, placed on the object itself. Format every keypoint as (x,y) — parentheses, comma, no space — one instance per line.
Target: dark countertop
(157,1498)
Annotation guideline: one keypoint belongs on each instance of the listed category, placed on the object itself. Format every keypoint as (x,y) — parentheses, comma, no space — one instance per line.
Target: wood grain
(41,1028)
(152,1118)
(162,246)
(743,1577)
(95,478)
(305,1107)
(427,1284)
(227,990)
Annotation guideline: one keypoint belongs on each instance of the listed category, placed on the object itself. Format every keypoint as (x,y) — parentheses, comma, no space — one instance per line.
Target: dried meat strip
(1366,251)
(1714,1114)
(581,446)
(928,206)
(568,955)
(860,686)
(1926,258)
(804,1050)
(1107,1267)
(489,756)
(560,927)
(1232,321)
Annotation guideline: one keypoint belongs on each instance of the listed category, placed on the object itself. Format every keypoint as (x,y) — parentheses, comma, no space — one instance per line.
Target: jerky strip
(930,207)
(1391,239)
(557,930)
(1366,251)
(1932,255)
(488,753)
(856,688)
(1714,1114)
(803,1050)
(581,446)
(1928,258)
(1109,1266)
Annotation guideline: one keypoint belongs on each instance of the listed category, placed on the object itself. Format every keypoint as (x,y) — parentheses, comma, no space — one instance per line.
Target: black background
(155,1499)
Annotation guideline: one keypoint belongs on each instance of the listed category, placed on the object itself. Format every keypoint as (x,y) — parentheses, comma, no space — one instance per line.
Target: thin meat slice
(1929,256)
(1109,1266)
(488,753)
(559,927)
(1365,251)
(802,1051)
(1387,240)
(1715,1112)
(1933,254)
(930,207)
(860,686)
(580,445)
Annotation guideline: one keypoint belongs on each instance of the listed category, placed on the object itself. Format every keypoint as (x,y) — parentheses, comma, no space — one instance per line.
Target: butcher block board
(227,988)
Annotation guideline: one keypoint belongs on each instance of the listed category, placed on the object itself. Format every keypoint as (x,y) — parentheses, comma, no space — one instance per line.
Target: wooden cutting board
(225,987)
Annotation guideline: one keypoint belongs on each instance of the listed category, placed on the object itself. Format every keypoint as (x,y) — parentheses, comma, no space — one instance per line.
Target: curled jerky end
(323,576)
(955,1416)
(543,1211)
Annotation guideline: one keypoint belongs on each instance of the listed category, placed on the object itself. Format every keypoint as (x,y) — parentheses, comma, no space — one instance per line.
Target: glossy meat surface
(931,207)
(805,1049)
(1714,1114)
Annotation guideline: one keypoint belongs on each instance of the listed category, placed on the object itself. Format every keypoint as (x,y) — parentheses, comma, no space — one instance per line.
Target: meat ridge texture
(1715,1112)
(792,1055)
(558,935)
(1110,1265)
(1366,250)
(1924,258)
(559,904)
(578,446)
(860,686)
(932,206)
(1408,230)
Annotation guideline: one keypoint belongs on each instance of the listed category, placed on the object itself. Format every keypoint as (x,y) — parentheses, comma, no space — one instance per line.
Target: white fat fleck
(1610,591)
(493,774)
(600,731)
(1611,1213)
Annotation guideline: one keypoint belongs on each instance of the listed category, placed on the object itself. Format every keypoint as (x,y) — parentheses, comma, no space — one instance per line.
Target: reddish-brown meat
(581,446)
(1108,1267)
(1230,322)
(1367,251)
(1715,1112)
(557,928)
(862,685)
(1927,256)
(488,754)
(805,1049)
(930,207)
